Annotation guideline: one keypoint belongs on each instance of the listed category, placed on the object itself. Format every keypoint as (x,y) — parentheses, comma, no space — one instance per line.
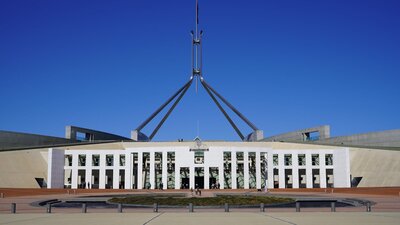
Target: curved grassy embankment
(211,201)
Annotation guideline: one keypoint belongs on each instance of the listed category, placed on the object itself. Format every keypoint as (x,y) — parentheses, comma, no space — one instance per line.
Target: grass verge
(210,201)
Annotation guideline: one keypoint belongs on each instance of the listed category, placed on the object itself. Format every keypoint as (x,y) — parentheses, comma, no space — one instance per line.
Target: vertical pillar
(258,170)
(88,170)
(221,176)
(246,170)
(309,178)
(74,182)
(295,170)
(177,175)
(234,170)
(206,177)
(191,175)
(140,171)
(152,170)
(164,178)
(102,172)
(322,171)
(270,170)
(128,170)
(281,164)
(115,177)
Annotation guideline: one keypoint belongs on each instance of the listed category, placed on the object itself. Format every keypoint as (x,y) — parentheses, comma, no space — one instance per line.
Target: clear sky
(286,65)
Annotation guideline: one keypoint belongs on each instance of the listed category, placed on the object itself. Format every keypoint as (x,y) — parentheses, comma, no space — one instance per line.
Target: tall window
(302,159)
(68,160)
(328,159)
(82,160)
(95,160)
(315,159)
(122,160)
(275,159)
(109,160)
(288,159)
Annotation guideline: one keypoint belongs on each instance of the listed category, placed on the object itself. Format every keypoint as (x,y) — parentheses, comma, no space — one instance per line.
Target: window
(302,160)
(95,160)
(109,160)
(311,136)
(315,159)
(122,160)
(328,159)
(239,156)
(82,160)
(198,157)
(68,160)
(288,159)
(171,162)
(275,159)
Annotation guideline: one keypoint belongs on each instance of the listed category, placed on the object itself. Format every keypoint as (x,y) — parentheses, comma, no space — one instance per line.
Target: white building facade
(206,166)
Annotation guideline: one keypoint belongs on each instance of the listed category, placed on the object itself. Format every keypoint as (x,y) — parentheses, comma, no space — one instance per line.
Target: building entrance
(185,178)
(199,178)
(185,183)
(199,182)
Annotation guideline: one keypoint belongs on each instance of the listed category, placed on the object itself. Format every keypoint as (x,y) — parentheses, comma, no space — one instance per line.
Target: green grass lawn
(209,201)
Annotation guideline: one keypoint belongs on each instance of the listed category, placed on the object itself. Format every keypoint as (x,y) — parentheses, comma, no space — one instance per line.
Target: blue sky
(286,65)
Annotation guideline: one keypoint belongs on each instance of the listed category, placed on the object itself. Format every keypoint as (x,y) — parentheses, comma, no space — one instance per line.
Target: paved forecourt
(304,218)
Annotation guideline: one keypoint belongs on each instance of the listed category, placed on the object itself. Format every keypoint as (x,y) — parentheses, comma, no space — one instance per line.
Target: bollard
(84,208)
(226,207)
(120,208)
(368,206)
(74,192)
(333,206)
(191,207)
(262,207)
(48,209)
(155,207)
(2,195)
(297,206)
(13,208)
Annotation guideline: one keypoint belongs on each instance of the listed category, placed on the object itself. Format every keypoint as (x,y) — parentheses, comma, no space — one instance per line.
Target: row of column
(129,170)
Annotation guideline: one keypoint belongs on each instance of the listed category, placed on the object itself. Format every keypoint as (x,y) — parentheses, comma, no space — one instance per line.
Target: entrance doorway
(199,177)
(185,177)
(185,183)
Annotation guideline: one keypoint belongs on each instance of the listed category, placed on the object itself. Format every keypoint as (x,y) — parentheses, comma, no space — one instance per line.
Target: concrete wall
(55,163)
(19,168)
(91,135)
(389,138)
(12,140)
(378,168)
(299,135)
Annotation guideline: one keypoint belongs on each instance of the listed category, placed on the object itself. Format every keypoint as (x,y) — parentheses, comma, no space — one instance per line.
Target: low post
(297,206)
(2,195)
(226,207)
(48,209)
(333,206)
(84,208)
(155,207)
(190,207)
(13,208)
(368,206)
(119,208)
(262,207)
